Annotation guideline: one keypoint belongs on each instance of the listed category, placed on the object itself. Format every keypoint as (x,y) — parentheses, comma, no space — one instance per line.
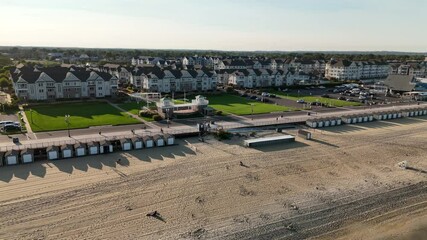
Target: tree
(4,83)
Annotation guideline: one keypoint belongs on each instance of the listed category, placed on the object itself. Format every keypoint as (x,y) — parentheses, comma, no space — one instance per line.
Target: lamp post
(168,112)
(67,121)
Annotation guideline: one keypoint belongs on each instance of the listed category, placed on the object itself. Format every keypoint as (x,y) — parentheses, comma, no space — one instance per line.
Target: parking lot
(321,97)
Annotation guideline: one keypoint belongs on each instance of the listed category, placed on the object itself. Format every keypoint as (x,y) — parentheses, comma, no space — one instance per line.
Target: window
(99,88)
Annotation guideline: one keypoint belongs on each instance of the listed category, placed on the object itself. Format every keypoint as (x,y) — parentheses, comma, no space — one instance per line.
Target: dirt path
(344,181)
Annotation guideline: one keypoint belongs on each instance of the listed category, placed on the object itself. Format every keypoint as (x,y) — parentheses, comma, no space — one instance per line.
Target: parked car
(342,98)
(244,95)
(272,95)
(10,127)
(325,96)
(300,101)
(265,94)
(2,123)
(253,97)
(321,87)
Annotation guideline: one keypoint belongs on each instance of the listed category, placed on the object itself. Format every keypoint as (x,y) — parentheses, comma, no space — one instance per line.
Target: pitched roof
(56,73)
(405,83)
(82,75)
(104,75)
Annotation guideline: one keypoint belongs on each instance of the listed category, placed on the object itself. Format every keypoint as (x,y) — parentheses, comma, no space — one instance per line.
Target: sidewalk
(37,143)
(30,134)
(133,115)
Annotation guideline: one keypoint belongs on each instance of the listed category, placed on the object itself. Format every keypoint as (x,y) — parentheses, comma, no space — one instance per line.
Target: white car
(300,101)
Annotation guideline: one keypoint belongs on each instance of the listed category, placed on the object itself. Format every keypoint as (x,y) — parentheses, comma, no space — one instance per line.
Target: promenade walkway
(248,122)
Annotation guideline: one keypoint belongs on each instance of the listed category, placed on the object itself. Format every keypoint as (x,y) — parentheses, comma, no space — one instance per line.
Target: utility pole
(67,121)
(252,111)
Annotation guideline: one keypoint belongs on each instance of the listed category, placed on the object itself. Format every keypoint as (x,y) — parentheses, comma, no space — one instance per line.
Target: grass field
(134,107)
(51,117)
(242,106)
(180,101)
(329,101)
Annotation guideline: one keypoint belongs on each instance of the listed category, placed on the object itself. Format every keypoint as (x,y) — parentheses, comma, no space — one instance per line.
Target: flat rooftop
(269,139)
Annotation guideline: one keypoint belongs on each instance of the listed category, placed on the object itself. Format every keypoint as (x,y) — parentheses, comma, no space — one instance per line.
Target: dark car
(244,95)
(9,128)
(342,98)
(325,96)
(253,97)
(272,95)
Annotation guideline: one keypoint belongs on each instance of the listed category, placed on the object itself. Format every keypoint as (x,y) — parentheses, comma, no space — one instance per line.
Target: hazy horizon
(273,25)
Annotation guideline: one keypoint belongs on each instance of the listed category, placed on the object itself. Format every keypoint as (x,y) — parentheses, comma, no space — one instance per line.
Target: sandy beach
(344,184)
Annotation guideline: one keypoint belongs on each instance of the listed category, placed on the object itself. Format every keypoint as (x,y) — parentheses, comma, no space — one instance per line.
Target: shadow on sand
(324,143)
(39,168)
(280,146)
(373,125)
(416,170)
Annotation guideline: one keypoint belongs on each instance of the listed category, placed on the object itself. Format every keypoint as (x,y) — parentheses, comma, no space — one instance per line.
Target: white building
(351,70)
(59,82)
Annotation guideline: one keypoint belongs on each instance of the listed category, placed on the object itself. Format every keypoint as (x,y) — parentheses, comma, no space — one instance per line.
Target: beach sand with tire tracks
(344,184)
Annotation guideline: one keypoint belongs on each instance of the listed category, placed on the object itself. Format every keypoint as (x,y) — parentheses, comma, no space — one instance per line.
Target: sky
(244,25)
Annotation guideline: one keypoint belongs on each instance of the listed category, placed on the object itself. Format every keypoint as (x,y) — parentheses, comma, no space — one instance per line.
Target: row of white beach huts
(80,149)
(361,118)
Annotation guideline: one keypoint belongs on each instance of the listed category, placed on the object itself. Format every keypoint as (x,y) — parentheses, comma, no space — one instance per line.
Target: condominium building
(60,82)
(352,70)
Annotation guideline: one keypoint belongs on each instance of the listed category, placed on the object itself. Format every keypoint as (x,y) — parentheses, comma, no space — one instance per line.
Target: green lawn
(134,107)
(242,106)
(329,101)
(180,101)
(82,115)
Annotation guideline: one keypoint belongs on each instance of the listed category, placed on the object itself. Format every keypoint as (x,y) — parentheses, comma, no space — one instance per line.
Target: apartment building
(417,69)
(156,79)
(61,82)
(352,70)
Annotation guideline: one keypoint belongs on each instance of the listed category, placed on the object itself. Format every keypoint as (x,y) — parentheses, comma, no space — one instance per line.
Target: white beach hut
(27,156)
(52,152)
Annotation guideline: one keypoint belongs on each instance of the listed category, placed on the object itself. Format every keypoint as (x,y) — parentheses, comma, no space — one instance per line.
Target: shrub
(147,113)
(157,117)
(230,89)
(221,134)
(218,113)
